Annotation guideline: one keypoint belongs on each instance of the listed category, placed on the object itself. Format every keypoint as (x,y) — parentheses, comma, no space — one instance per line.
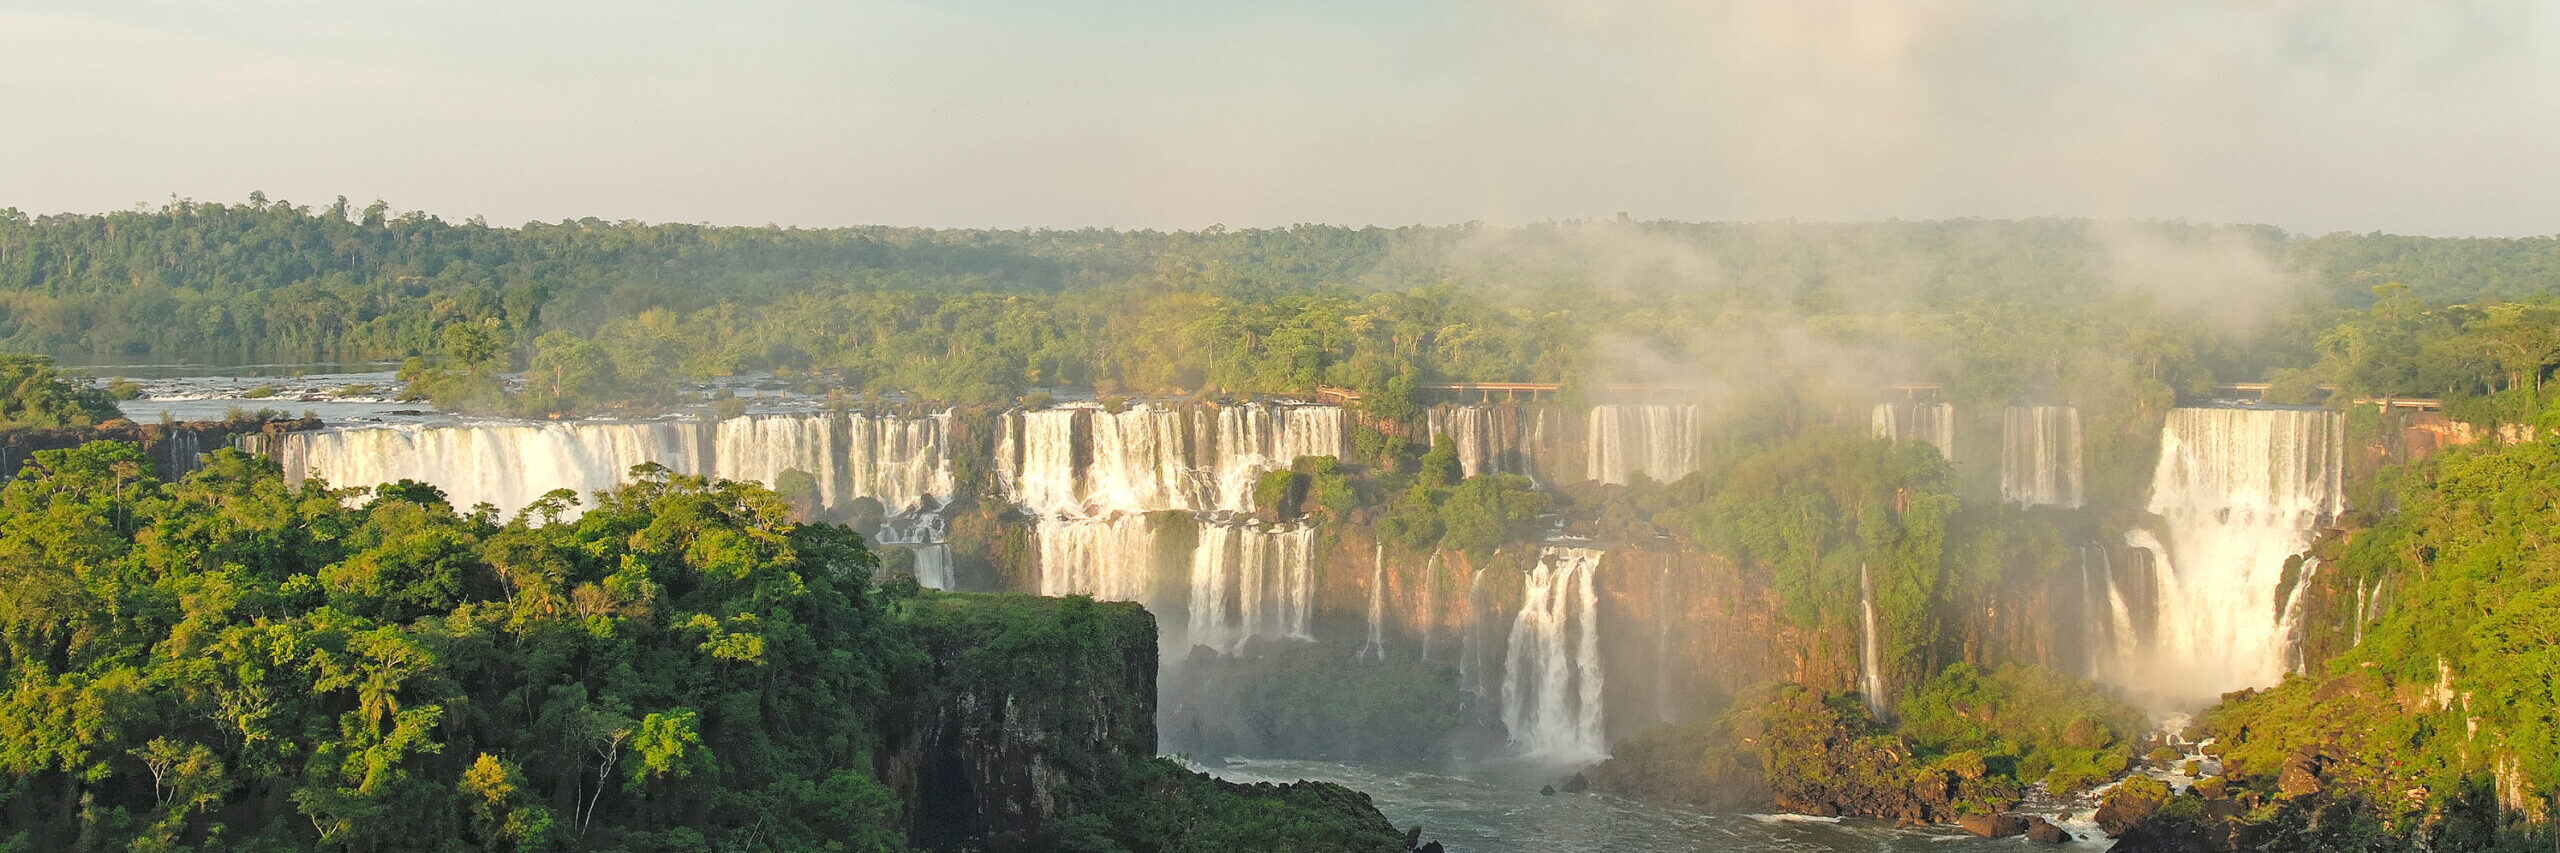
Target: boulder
(2039,829)
(2301,775)
(2129,804)
(1993,825)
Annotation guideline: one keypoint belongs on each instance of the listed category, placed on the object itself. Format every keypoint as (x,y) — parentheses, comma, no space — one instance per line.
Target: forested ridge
(597,311)
(227,663)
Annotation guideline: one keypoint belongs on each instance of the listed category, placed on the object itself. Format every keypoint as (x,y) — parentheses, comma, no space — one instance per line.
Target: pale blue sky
(2422,117)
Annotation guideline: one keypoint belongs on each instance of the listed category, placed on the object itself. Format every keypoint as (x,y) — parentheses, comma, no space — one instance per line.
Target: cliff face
(174,448)
(1009,724)
(1028,724)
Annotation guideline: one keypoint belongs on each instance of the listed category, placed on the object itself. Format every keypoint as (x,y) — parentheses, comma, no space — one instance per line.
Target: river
(1480,813)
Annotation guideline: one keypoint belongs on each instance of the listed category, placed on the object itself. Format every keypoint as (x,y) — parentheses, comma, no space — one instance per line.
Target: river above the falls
(1497,809)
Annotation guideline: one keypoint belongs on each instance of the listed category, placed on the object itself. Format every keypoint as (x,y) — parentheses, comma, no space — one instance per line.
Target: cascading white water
(1374,650)
(1251,439)
(933,566)
(1047,481)
(2237,491)
(1111,558)
(902,462)
(1934,423)
(2040,456)
(505,465)
(1551,684)
(1150,459)
(1489,440)
(1471,640)
(1430,608)
(2289,616)
(1658,441)
(1141,462)
(1870,671)
(1249,581)
(759,448)
(1090,476)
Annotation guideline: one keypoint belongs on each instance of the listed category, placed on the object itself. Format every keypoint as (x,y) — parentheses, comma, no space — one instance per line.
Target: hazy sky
(2418,116)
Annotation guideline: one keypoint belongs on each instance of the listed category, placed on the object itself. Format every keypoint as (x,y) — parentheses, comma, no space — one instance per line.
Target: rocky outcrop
(1028,724)
(1993,825)
(2130,804)
(1020,701)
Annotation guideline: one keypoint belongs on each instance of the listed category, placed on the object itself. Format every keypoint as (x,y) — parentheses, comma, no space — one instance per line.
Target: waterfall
(760,448)
(1112,558)
(1551,686)
(1934,423)
(1658,441)
(1087,463)
(1870,672)
(2289,615)
(1140,462)
(1047,481)
(1471,641)
(933,565)
(1375,649)
(1091,477)
(1250,581)
(2236,492)
(1430,602)
(505,465)
(1242,442)
(1488,439)
(2364,603)
(902,462)
(2040,456)
(1662,711)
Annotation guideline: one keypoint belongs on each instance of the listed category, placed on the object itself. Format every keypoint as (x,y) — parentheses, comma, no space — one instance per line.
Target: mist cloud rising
(2416,117)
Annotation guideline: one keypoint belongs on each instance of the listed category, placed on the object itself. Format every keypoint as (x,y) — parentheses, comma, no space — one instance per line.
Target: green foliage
(1280,492)
(2026,722)
(1994,309)
(1964,742)
(2450,696)
(34,396)
(399,675)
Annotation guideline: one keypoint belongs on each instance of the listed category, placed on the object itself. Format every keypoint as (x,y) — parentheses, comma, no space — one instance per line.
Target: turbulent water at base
(504,465)
(1497,809)
(1090,478)
(1658,441)
(1870,672)
(2040,456)
(1934,423)
(2237,491)
(1551,682)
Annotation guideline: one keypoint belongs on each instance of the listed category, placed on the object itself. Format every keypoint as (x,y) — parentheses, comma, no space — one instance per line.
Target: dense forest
(594,312)
(226,663)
